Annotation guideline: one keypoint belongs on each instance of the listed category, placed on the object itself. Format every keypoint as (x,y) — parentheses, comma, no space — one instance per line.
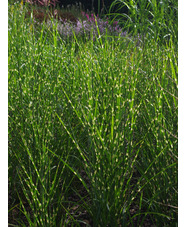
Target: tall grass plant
(92,127)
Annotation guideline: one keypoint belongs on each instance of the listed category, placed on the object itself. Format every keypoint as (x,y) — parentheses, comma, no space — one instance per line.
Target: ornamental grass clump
(92,126)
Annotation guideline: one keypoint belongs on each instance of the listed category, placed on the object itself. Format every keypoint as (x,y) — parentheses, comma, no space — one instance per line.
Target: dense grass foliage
(158,19)
(92,127)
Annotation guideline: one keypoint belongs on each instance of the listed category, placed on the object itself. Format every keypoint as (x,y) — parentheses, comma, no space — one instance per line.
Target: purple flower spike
(87,17)
(115,23)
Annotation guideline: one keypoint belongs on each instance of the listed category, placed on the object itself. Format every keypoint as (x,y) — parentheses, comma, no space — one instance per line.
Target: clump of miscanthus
(86,25)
